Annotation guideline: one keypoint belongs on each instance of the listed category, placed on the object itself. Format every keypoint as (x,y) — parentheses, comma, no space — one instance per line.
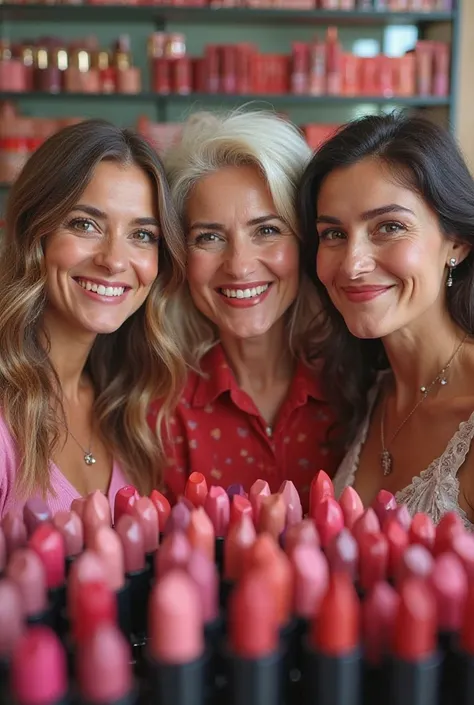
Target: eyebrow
(100,215)
(367,215)
(254,221)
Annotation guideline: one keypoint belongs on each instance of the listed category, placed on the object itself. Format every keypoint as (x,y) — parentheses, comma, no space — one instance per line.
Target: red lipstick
(333,669)
(162,506)
(321,488)
(422,531)
(448,528)
(95,605)
(88,568)
(240,538)
(379,611)
(383,504)
(368,523)
(38,669)
(124,501)
(49,545)
(177,665)
(415,666)
(351,505)
(105,653)
(137,569)
(239,505)
(196,489)
(254,660)
(398,541)
(329,520)
(373,560)
(363,294)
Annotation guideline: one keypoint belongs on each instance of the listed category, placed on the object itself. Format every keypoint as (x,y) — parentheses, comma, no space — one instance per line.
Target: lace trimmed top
(435,490)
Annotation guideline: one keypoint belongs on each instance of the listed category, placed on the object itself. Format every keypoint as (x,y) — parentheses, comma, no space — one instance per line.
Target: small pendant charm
(386,462)
(423,390)
(89,459)
(443,381)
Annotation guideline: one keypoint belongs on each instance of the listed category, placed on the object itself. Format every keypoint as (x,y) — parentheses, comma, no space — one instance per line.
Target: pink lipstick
(362,294)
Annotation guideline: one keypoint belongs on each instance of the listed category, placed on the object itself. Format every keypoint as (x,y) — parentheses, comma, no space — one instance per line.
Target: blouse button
(269,431)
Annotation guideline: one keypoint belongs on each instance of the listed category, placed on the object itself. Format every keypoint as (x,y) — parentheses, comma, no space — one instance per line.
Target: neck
(258,363)
(417,355)
(68,351)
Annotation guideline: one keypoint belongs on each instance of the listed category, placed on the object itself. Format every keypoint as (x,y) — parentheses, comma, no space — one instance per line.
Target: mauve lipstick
(258,490)
(175,552)
(137,573)
(69,525)
(14,530)
(178,519)
(35,512)
(26,569)
(217,506)
(294,509)
(303,533)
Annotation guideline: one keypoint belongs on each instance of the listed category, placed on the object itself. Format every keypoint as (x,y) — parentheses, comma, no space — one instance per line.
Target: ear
(459,250)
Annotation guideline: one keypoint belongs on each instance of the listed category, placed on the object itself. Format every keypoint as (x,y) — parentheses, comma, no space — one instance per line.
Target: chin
(367,329)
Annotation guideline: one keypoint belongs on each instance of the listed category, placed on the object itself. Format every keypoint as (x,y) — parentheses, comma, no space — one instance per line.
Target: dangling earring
(451,265)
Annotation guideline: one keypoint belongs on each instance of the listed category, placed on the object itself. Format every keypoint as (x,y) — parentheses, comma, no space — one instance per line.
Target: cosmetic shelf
(279,99)
(205,15)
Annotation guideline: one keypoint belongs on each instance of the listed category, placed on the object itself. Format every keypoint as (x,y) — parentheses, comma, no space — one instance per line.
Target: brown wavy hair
(138,362)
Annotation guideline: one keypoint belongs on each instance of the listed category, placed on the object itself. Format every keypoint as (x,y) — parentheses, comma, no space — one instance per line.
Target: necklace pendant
(89,459)
(386,461)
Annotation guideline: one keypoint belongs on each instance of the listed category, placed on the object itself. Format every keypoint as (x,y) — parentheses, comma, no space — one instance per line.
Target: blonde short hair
(214,141)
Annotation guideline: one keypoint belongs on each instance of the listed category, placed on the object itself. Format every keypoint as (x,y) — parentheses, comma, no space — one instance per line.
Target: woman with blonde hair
(91,252)
(246,320)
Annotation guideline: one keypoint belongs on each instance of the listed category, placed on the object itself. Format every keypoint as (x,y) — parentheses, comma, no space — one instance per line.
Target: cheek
(408,260)
(325,265)
(147,267)
(64,252)
(284,260)
(200,269)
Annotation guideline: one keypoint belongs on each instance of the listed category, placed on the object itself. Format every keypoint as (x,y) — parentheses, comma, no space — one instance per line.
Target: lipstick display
(346,606)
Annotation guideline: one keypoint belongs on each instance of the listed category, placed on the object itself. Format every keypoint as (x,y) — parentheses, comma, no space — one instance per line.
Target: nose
(112,255)
(358,258)
(240,261)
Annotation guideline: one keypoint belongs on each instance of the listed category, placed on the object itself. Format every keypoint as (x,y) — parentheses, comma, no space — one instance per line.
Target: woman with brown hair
(90,254)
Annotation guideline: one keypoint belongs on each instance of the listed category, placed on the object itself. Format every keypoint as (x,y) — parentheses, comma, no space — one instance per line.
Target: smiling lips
(244,296)
(361,294)
(114,291)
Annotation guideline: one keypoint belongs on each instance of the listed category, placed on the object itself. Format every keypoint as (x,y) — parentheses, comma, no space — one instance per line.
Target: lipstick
(146,514)
(304,533)
(259,489)
(416,562)
(196,489)
(422,531)
(333,664)
(69,525)
(368,523)
(448,528)
(463,657)
(239,505)
(379,611)
(38,669)
(162,506)
(27,571)
(137,572)
(96,513)
(397,539)
(351,505)
(343,554)
(124,501)
(463,547)
(294,509)
(200,533)
(253,655)
(107,544)
(35,512)
(239,540)
(48,543)
(217,506)
(449,584)
(89,568)
(95,605)
(15,533)
(402,515)
(13,626)
(178,519)
(321,488)
(415,663)
(272,519)
(174,553)
(329,520)
(77,505)
(236,489)
(383,504)
(103,667)
(177,663)
(373,560)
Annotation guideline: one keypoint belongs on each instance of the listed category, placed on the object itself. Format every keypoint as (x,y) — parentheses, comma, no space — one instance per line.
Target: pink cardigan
(65,492)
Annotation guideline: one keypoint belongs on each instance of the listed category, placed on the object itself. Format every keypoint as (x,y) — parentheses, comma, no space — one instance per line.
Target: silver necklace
(386,458)
(89,458)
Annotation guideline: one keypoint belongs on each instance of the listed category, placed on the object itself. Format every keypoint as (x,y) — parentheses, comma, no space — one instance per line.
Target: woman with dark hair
(387,210)
(91,251)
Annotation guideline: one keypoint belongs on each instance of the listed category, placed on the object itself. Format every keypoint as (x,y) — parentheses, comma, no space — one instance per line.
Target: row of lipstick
(394,5)
(244,600)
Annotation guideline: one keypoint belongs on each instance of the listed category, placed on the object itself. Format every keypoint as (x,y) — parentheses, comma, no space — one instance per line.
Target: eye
(145,236)
(331,234)
(207,239)
(268,230)
(391,228)
(82,225)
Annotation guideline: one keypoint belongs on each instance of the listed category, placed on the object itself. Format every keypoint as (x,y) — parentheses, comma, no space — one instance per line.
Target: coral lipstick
(422,531)
(96,513)
(416,562)
(124,501)
(38,669)
(415,664)
(333,666)
(367,523)
(259,489)
(177,663)
(239,506)
(397,538)
(351,505)
(321,488)
(106,653)
(463,657)
(240,538)
(272,518)
(162,506)
(253,657)
(200,533)
(196,489)
(448,528)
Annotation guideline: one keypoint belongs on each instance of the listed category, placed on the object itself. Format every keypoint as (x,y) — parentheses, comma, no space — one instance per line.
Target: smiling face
(243,259)
(103,259)
(382,256)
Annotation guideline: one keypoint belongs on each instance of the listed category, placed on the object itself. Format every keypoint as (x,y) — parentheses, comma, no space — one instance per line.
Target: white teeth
(244,293)
(100,288)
